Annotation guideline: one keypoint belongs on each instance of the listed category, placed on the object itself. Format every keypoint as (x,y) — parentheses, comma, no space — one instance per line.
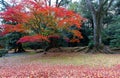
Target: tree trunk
(49,2)
(97,19)
(54,43)
(19,48)
(98,45)
(97,15)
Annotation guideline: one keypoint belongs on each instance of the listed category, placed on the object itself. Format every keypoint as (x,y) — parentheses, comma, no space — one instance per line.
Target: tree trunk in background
(97,20)
(97,16)
(49,2)
(19,48)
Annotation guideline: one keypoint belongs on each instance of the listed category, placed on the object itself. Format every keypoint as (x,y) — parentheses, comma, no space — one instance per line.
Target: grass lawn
(60,65)
(64,58)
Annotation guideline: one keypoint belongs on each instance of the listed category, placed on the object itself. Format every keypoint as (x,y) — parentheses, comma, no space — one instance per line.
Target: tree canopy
(40,20)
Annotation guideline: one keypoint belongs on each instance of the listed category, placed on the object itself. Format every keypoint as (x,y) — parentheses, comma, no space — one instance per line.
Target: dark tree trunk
(19,48)
(97,19)
(49,2)
(54,43)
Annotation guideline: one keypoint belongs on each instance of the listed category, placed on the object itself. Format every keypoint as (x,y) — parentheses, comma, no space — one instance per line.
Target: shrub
(91,43)
(35,45)
(112,33)
(3,52)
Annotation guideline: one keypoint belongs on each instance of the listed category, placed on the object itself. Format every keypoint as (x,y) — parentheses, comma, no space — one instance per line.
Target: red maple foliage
(35,38)
(12,28)
(30,16)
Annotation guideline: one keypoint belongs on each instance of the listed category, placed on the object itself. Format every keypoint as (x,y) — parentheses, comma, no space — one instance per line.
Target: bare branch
(62,2)
(104,2)
(4,3)
(49,2)
(58,3)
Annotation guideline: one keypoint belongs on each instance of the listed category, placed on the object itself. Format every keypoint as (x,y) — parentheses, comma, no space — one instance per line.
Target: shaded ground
(63,58)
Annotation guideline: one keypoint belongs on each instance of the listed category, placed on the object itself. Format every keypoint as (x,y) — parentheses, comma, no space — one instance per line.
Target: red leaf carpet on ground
(58,71)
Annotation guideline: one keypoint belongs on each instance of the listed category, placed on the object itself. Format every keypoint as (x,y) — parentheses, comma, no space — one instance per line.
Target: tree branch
(4,3)
(49,2)
(90,6)
(110,3)
(56,3)
(59,3)
(104,2)
(100,4)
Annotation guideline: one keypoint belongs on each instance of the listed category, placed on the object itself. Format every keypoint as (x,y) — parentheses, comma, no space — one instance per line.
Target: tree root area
(85,49)
(94,50)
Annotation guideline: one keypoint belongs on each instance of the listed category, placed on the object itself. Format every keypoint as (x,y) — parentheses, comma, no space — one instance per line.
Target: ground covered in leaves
(58,71)
(60,65)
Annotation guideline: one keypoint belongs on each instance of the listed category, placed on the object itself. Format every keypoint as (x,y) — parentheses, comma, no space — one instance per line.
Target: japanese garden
(59,38)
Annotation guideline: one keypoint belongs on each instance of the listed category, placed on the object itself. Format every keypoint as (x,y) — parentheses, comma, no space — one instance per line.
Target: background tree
(98,13)
(87,27)
(113,29)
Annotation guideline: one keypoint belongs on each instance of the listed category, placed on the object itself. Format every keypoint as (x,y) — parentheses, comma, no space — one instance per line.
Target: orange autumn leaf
(35,38)
(77,34)
(74,40)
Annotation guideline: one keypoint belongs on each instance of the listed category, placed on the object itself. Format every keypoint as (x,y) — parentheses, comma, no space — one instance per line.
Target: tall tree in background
(98,13)
(113,30)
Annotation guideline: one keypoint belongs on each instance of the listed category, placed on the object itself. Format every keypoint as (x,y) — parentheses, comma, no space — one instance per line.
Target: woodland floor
(62,58)
(54,64)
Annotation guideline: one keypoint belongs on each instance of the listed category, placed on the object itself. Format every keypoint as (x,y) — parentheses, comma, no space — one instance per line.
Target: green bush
(91,43)
(112,33)
(3,52)
(35,45)
(9,40)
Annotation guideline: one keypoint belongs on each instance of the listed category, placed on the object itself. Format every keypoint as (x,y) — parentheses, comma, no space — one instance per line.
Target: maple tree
(40,21)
